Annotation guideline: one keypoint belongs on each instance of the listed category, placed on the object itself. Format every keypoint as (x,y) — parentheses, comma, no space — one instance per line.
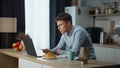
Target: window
(37,22)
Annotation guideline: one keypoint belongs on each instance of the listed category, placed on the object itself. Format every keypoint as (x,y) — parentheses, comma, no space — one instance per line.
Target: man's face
(63,26)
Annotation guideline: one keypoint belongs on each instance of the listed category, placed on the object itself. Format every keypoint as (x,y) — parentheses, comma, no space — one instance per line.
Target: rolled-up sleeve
(60,45)
(79,38)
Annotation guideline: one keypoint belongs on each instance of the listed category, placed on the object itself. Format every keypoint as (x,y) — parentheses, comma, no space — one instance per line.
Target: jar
(74,3)
(110,11)
(96,11)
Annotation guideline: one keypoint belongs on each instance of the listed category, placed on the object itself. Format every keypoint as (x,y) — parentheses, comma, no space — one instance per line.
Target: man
(73,37)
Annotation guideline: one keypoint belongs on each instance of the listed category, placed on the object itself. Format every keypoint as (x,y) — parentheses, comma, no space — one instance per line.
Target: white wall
(104,22)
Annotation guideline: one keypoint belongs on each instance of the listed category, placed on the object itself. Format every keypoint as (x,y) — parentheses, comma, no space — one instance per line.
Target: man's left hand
(58,51)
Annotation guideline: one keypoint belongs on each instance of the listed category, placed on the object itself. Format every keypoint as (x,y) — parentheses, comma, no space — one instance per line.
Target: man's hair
(65,17)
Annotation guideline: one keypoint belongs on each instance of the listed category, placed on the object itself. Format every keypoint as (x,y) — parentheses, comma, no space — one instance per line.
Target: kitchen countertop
(57,63)
(107,45)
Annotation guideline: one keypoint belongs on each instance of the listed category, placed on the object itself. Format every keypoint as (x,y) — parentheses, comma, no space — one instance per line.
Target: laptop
(30,48)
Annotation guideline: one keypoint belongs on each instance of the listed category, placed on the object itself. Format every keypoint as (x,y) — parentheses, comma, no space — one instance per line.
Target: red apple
(14,45)
(18,43)
(21,47)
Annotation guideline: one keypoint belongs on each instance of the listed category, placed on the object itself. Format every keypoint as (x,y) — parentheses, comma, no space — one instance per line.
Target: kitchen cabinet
(118,56)
(107,53)
(23,63)
(46,66)
(8,61)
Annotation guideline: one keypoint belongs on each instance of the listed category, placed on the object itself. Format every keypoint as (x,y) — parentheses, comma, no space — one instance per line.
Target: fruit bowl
(18,46)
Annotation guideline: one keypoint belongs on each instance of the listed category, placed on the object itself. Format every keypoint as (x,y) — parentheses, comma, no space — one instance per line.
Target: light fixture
(7,25)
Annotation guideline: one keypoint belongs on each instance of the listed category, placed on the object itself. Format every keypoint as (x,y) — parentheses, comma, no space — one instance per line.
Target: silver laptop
(30,48)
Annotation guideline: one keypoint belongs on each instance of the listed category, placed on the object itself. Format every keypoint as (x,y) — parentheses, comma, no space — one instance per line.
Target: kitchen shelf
(106,15)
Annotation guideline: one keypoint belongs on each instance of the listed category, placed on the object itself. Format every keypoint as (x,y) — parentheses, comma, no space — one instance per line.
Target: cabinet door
(46,66)
(105,54)
(28,64)
(8,61)
(118,56)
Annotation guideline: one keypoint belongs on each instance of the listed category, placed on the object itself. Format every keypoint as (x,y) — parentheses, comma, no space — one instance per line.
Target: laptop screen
(30,48)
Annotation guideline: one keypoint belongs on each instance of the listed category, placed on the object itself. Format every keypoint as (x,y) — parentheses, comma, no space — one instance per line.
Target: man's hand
(45,50)
(58,51)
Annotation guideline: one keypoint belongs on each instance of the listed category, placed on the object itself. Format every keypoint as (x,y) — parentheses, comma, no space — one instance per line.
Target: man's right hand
(46,50)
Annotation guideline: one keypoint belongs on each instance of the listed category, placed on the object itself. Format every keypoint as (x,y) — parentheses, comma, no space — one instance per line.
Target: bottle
(119,9)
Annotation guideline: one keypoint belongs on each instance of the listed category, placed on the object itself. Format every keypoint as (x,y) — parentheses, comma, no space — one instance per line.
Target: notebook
(30,48)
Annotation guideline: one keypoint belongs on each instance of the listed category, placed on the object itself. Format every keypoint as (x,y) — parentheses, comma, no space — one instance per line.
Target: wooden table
(12,59)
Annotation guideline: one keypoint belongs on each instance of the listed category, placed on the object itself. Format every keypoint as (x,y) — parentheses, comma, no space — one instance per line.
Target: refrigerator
(80,16)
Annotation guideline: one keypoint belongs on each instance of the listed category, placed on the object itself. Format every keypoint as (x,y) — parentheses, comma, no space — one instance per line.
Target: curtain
(56,7)
(12,8)
(37,22)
